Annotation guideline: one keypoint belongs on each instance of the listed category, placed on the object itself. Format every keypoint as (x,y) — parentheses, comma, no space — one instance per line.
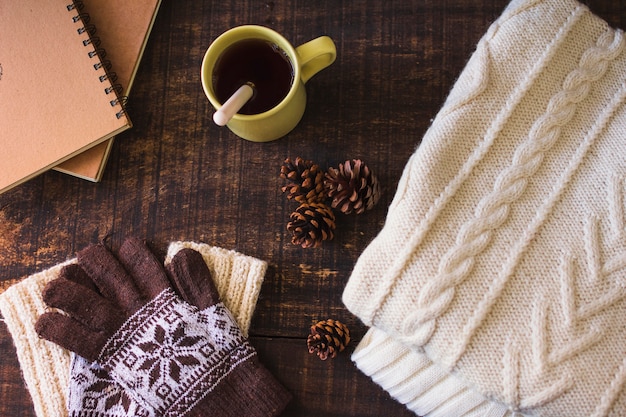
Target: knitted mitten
(46,366)
(501,267)
(176,356)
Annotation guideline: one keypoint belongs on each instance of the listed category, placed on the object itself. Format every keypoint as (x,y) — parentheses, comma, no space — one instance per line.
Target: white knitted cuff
(46,366)
(415,381)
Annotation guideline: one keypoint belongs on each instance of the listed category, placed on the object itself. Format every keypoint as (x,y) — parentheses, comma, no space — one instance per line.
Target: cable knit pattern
(46,366)
(574,89)
(502,262)
(474,81)
(509,186)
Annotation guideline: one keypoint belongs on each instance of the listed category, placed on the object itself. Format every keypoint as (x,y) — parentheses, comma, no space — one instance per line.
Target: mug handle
(315,55)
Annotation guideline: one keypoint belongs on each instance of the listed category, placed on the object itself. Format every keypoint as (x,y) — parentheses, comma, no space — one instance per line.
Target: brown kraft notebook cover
(56,100)
(123,29)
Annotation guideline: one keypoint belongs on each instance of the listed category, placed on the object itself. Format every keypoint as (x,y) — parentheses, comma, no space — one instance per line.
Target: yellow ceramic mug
(306,60)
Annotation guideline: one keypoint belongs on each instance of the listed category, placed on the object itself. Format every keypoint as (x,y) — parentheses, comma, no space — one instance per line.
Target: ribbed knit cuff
(413,380)
(45,366)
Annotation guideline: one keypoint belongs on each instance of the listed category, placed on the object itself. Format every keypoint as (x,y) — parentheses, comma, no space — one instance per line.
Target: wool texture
(46,366)
(502,261)
(202,347)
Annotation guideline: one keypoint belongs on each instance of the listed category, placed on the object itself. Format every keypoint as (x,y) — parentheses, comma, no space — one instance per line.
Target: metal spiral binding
(88,28)
(103,64)
(122,101)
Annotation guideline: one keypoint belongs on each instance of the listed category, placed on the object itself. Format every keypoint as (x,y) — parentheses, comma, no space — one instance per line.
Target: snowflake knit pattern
(46,366)
(501,267)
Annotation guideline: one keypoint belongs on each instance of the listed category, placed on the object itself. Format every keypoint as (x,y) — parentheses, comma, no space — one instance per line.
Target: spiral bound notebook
(123,28)
(56,98)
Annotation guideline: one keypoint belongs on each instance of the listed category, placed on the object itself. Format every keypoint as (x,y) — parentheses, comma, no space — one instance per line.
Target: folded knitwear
(497,285)
(46,366)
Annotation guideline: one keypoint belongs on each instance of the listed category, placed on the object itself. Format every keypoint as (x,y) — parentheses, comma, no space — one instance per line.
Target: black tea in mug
(255,61)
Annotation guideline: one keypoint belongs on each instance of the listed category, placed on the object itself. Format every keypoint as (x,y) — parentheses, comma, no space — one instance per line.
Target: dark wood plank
(328,388)
(177,176)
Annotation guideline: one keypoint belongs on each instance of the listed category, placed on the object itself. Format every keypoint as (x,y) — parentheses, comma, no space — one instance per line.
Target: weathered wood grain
(177,176)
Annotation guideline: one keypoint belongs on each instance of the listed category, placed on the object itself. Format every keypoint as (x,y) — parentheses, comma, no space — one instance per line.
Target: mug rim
(230,37)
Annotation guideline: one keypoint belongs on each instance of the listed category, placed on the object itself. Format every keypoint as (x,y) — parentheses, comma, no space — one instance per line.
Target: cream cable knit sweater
(46,366)
(502,262)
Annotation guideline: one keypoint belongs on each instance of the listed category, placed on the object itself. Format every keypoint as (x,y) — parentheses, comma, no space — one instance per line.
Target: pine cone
(311,224)
(307,180)
(352,187)
(327,338)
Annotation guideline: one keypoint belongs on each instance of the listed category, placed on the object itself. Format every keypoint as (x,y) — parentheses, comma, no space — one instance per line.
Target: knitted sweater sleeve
(503,255)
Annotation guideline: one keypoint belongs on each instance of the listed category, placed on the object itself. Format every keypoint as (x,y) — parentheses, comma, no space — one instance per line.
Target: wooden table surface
(177,176)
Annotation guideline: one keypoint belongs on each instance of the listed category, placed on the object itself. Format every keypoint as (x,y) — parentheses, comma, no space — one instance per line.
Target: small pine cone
(311,224)
(327,338)
(307,180)
(352,187)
